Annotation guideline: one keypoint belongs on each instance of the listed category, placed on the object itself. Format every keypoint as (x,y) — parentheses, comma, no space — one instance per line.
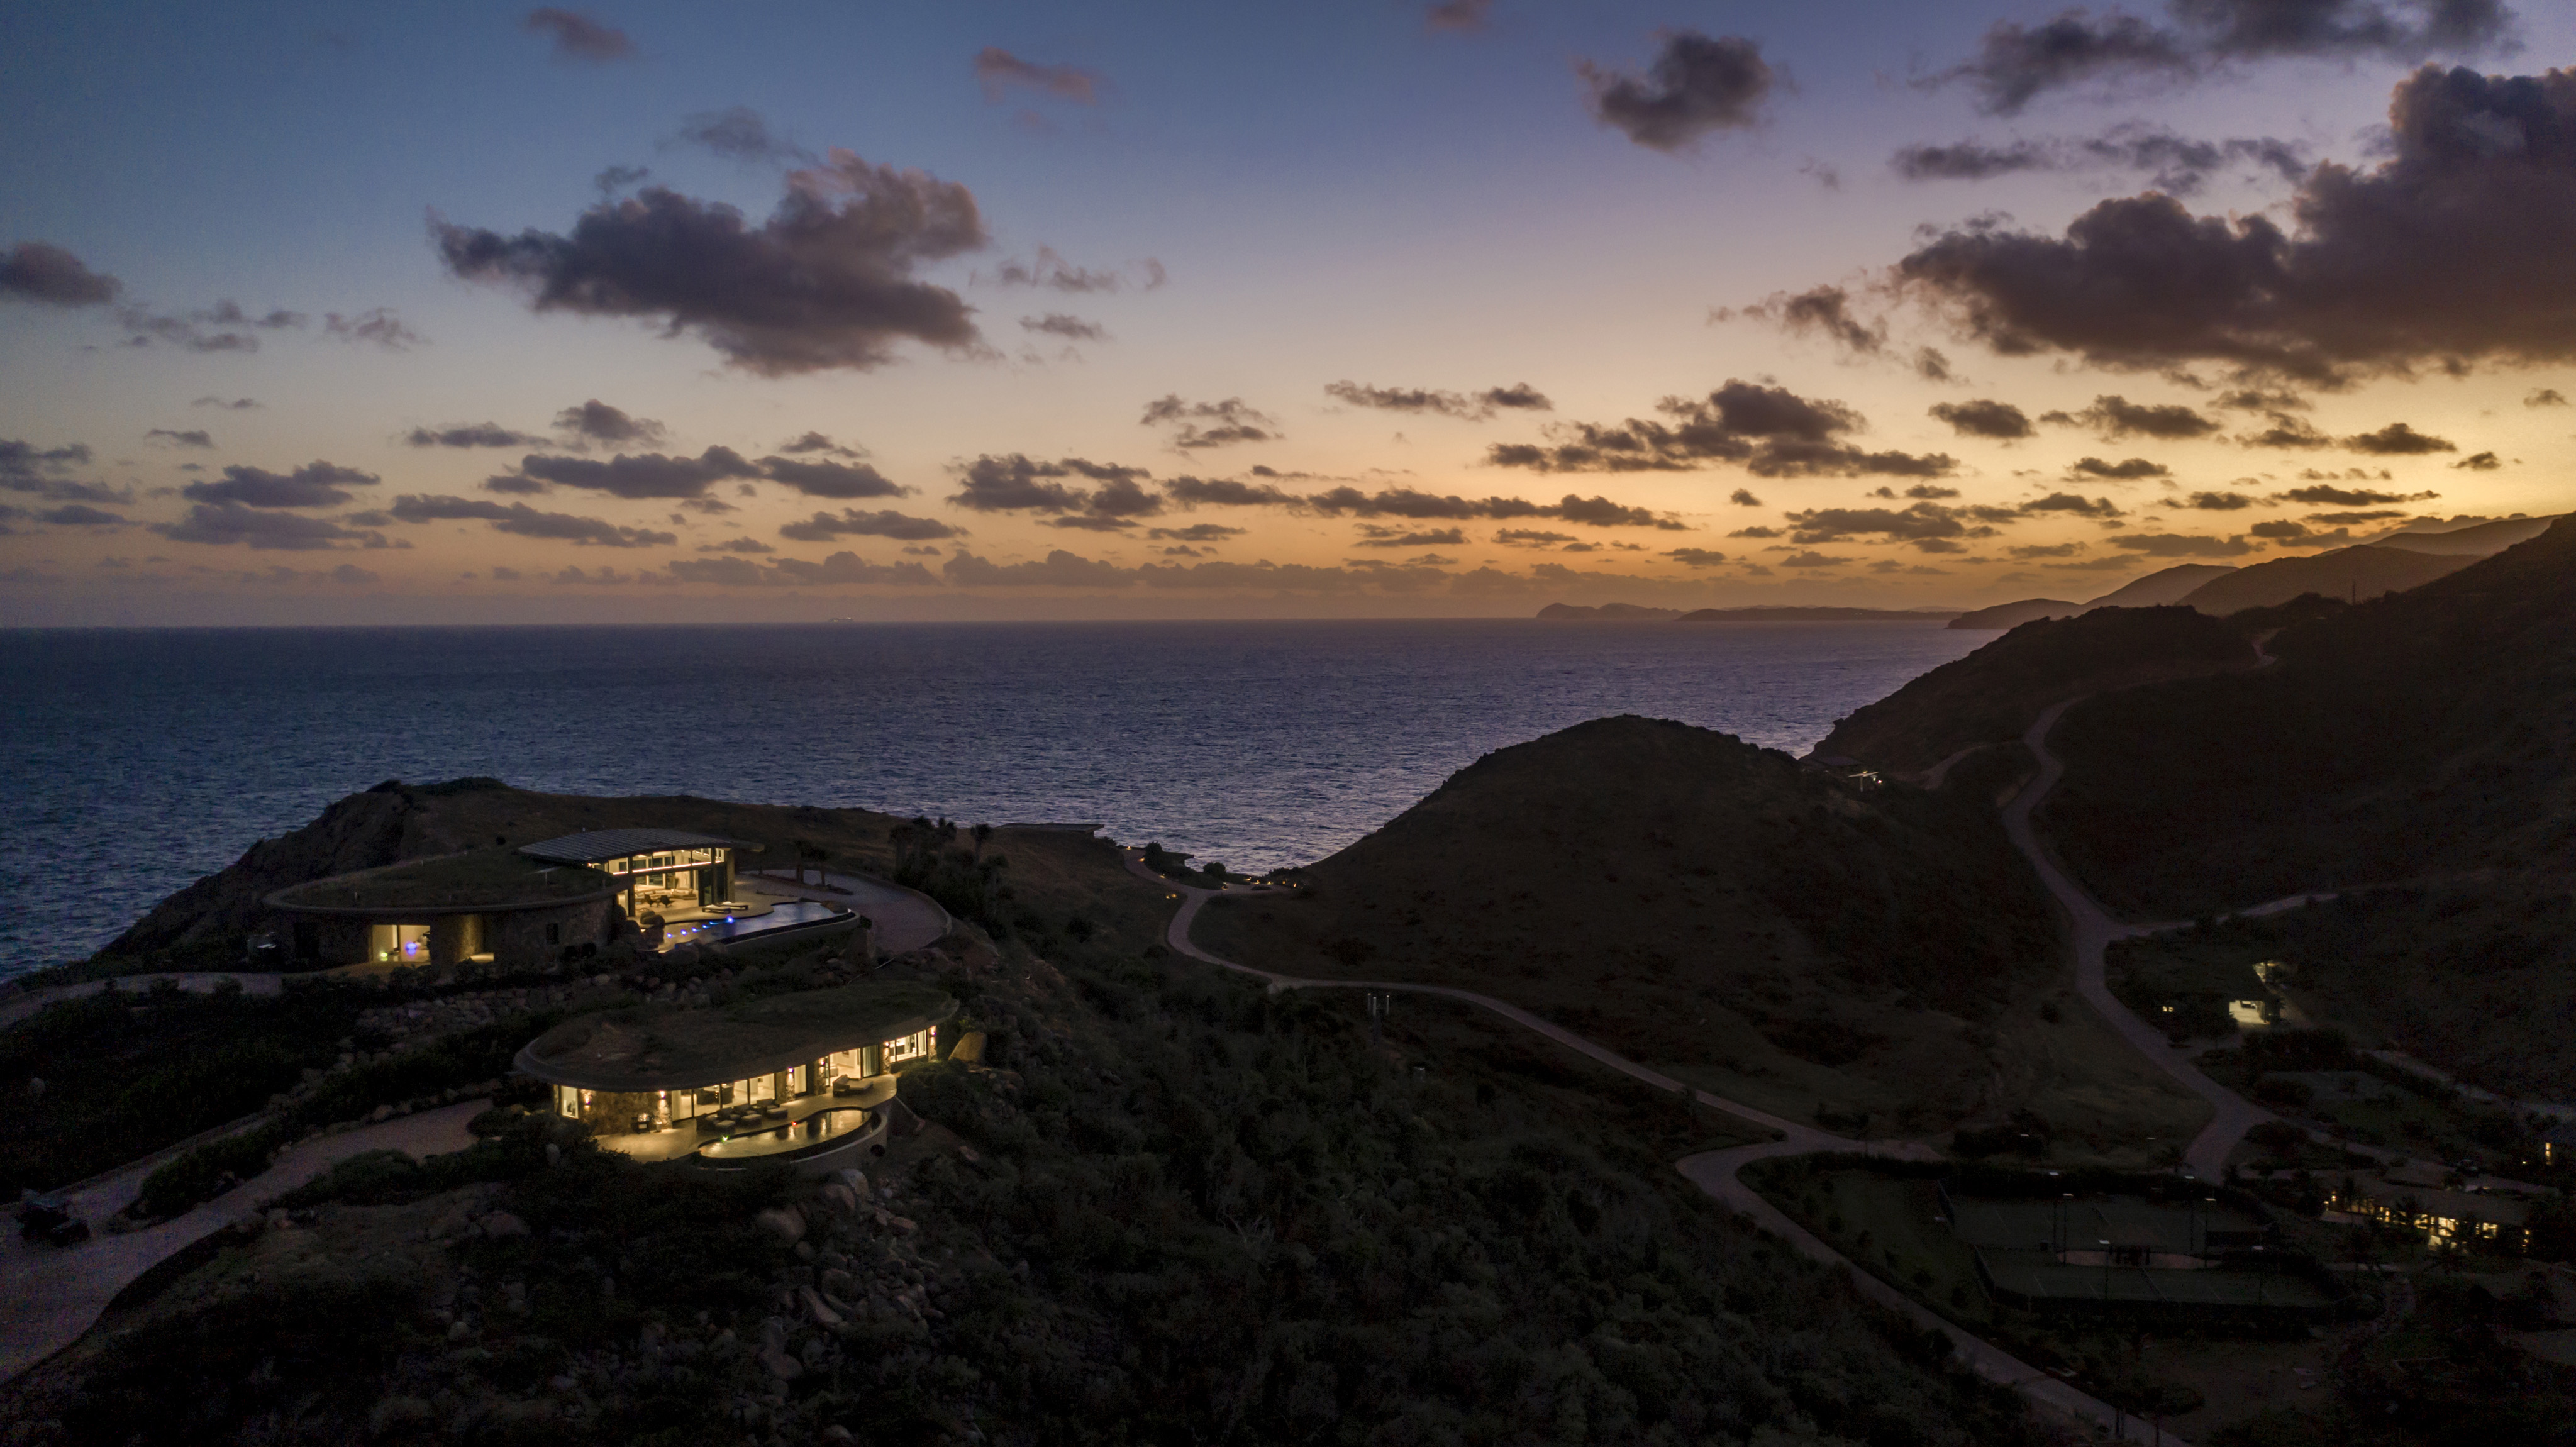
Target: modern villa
(802,1077)
(536,905)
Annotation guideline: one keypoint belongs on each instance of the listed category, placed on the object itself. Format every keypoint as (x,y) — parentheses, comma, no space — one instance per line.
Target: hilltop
(2424,732)
(2479,538)
(1605,613)
(1768,613)
(1722,912)
(1993,694)
(2165,585)
(2352,574)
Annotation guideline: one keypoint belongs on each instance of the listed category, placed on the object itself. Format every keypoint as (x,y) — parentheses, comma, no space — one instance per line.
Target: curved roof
(662,1047)
(478,881)
(601,845)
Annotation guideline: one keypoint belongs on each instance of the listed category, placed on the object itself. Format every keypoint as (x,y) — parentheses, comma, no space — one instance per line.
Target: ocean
(139,760)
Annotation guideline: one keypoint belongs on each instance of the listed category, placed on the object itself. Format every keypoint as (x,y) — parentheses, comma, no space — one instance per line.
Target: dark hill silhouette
(1690,899)
(1605,613)
(2426,732)
(2352,574)
(1993,694)
(2014,614)
(2478,540)
(2165,585)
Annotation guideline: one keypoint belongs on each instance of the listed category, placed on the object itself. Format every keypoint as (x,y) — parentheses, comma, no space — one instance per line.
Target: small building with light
(802,1077)
(2490,1222)
(480,906)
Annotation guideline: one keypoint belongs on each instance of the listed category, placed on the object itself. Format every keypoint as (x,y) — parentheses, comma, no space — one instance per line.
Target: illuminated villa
(801,1077)
(536,905)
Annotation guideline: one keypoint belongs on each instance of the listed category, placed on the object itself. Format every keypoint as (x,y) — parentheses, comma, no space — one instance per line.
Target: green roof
(450,883)
(663,1047)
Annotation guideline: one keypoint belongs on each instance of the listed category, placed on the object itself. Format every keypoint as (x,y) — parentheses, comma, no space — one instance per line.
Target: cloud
(739,545)
(377,328)
(2286,432)
(2130,469)
(1518,397)
(826,282)
(999,72)
(1016,483)
(1385,537)
(524,521)
(2211,502)
(1209,424)
(1457,16)
(1059,570)
(2017,63)
(2450,252)
(2398,440)
(1405,502)
(835,480)
(736,133)
(2328,495)
(577,36)
(1984,418)
(2183,545)
(2116,417)
(470,434)
(227,521)
(1053,273)
(2299,535)
(223,327)
(1813,559)
(2478,462)
(1743,497)
(614,179)
(1527,538)
(2178,165)
(822,527)
(2545,397)
(818,442)
(1819,311)
(840,569)
(2071,502)
(238,404)
(1062,324)
(193,437)
(80,515)
(646,475)
(1696,557)
(40,271)
(1919,523)
(26,468)
(1199,533)
(315,484)
(1696,84)
(1770,430)
(596,421)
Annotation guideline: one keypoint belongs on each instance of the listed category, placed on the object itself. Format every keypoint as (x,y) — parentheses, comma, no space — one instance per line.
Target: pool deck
(906,919)
(683,1141)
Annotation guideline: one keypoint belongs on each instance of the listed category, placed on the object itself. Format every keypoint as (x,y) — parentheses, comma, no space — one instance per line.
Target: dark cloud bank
(1771,431)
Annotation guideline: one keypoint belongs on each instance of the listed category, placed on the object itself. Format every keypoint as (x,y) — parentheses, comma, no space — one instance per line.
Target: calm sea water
(137,761)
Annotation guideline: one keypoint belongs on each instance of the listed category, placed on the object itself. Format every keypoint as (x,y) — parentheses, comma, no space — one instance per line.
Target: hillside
(2163,586)
(1605,613)
(2155,590)
(2422,733)
(2352,574)
(204,924)
(1719,911)
(1770,613)
(2477,540)
(1993,694)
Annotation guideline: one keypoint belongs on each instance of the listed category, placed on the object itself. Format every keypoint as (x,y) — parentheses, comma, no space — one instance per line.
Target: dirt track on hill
(1714,1172)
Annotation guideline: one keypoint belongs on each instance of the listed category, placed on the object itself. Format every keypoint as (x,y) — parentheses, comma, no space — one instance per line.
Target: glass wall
(401,944)
(617,1113)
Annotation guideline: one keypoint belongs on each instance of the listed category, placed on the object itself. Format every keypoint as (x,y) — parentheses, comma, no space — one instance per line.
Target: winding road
(1714,1172)
(2232,1115)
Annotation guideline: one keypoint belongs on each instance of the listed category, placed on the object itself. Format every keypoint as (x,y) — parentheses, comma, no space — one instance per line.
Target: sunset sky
(638,312)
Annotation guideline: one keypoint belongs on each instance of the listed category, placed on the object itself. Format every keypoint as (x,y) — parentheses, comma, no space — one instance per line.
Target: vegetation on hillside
(2429,733)
(1692,901)
(1171,1208)
(1994,693)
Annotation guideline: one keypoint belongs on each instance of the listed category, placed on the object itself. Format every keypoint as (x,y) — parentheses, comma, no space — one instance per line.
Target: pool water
(796,1135)
(787,914)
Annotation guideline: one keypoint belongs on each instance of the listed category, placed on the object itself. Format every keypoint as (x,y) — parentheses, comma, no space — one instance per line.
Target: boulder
(841,1197)
(786,1222)
(781,1365)
(502,1223)
(814,1307)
